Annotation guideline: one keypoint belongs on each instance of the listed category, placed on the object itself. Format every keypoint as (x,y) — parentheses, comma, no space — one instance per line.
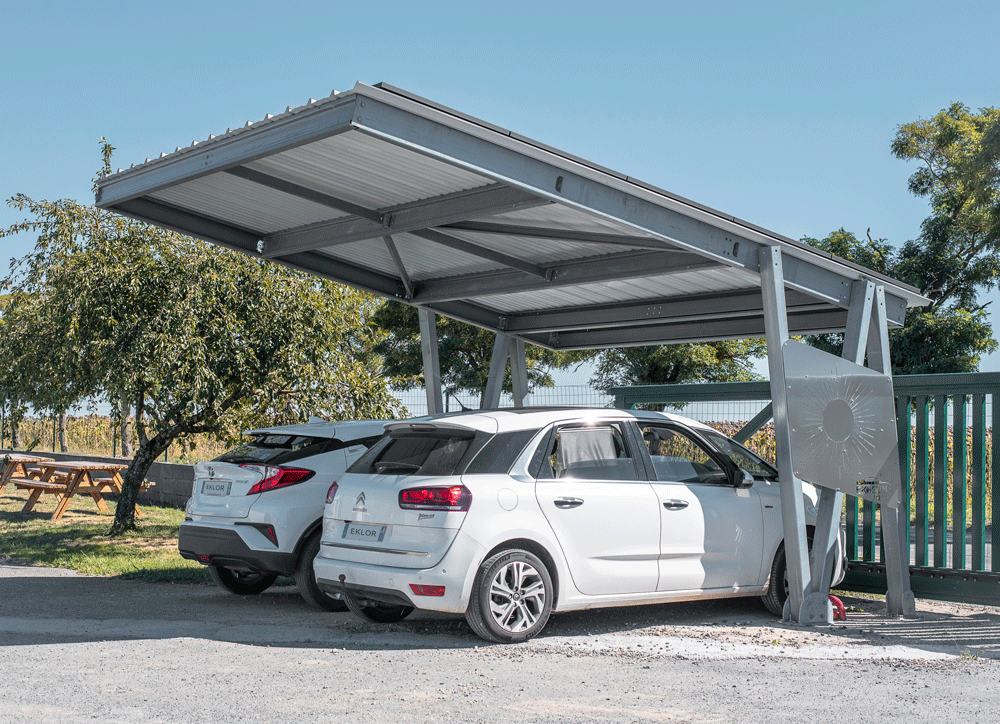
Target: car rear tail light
(331,492)
(455,497)
(421,590)
(276,477)
(203,559)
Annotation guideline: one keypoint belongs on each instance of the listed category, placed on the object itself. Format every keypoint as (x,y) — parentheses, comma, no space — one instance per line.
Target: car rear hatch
(220,490)
(403,502)
(222,487)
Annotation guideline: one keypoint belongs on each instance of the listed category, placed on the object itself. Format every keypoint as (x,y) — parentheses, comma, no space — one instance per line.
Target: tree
(198,339)
(464,353)
(727,361)
(956,257)
(933,340)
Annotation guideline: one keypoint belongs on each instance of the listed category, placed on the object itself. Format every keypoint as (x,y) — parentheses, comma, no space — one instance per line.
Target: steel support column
(432,365)
(507,348)
(895,521)
(793,518)
(498,368)
(518,372)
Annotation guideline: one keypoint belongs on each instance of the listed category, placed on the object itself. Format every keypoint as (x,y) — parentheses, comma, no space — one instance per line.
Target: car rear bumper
(225,547)
(386,584)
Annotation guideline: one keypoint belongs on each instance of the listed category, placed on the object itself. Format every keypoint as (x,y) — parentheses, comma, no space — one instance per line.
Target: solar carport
(397,195)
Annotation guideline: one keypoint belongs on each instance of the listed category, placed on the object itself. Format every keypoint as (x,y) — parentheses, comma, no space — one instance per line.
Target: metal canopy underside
(399,196)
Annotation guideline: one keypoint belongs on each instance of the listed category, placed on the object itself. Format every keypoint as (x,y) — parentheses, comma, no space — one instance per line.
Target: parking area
(77,648)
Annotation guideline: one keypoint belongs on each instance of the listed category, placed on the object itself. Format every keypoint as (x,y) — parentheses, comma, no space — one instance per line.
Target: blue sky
(779,113)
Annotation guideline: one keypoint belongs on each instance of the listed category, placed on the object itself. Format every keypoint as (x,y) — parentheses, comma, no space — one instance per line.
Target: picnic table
(69,477)
(17,464)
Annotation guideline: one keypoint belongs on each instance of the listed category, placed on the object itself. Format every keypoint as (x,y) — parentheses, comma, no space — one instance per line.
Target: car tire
(377,612)
(499,611)
(305,579)
(244,583)
(777,586)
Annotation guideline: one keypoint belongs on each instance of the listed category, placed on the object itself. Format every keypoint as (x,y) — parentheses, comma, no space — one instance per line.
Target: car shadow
(45,606)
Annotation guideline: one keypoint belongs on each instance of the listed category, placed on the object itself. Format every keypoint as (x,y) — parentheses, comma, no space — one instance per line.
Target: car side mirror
(743,479)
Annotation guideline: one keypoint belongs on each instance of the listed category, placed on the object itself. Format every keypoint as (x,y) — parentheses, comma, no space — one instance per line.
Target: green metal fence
(947,479)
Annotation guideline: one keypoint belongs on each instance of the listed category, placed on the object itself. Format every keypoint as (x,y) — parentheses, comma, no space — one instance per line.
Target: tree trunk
(15,432)
(132,479)
(126,443)
(63,442)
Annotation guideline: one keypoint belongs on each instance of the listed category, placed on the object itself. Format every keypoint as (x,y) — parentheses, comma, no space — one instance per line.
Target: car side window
(678,458)
(589,452)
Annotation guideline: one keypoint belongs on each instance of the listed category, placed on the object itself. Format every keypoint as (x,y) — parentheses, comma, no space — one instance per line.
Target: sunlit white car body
(228,525)
(605,542)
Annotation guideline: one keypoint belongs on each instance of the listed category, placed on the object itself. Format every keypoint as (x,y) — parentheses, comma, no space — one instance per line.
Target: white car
(507,516)
(255,512)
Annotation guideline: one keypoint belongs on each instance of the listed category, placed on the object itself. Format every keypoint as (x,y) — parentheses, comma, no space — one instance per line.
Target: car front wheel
(777,587)
(245,583)
(511,597)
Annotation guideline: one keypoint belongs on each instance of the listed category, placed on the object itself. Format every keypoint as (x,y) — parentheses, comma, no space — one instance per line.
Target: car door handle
(568,502)
(675,504)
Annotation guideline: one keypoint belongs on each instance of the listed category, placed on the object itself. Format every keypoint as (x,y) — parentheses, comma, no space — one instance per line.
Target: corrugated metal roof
(490,227)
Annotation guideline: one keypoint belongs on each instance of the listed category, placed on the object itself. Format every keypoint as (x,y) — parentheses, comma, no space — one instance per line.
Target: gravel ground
(81,648)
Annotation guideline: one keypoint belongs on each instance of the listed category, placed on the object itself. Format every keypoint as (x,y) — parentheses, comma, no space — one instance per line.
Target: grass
(79,540)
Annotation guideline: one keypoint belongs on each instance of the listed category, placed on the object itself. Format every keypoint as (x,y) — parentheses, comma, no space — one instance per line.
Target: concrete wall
(173,480)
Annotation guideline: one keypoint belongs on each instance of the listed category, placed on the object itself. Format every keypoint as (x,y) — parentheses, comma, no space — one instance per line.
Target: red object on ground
(839,613)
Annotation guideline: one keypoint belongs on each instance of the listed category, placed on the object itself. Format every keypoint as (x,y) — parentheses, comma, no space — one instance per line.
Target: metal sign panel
(842,424)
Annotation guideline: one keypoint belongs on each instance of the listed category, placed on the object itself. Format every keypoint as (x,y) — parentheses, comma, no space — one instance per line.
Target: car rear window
(436,452)
(276,449)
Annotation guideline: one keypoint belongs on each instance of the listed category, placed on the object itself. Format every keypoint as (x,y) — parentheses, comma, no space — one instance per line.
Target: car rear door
(601,508)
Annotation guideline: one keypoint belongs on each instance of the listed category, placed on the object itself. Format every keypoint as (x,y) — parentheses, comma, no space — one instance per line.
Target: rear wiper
(381,467)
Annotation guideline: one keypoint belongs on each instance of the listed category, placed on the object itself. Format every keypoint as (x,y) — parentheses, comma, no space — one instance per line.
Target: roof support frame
(403,276)
(482,201)
(626,265)
(689,308)
(496,158)
(467,247)
(537,232)
(812,322)
(293,189)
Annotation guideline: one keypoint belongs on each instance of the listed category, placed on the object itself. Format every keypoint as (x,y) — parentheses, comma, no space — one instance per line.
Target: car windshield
(753,464)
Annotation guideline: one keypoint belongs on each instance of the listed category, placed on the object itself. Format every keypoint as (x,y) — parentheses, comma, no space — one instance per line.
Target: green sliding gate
(947,479)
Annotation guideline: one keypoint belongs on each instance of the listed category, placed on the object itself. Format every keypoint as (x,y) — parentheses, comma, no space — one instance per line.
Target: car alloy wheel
(512,597)
(517,597)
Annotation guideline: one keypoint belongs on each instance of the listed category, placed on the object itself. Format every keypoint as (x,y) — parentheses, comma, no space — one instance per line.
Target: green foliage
(197,338)
(728,361)
(957,255)
(464,353)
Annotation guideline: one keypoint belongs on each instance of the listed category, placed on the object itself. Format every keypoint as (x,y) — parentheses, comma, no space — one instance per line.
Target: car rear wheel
(244,583)
(511,597)
(305,579)
(377,612)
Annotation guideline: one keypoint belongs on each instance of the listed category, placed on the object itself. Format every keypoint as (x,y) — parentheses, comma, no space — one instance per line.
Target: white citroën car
(509,515)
